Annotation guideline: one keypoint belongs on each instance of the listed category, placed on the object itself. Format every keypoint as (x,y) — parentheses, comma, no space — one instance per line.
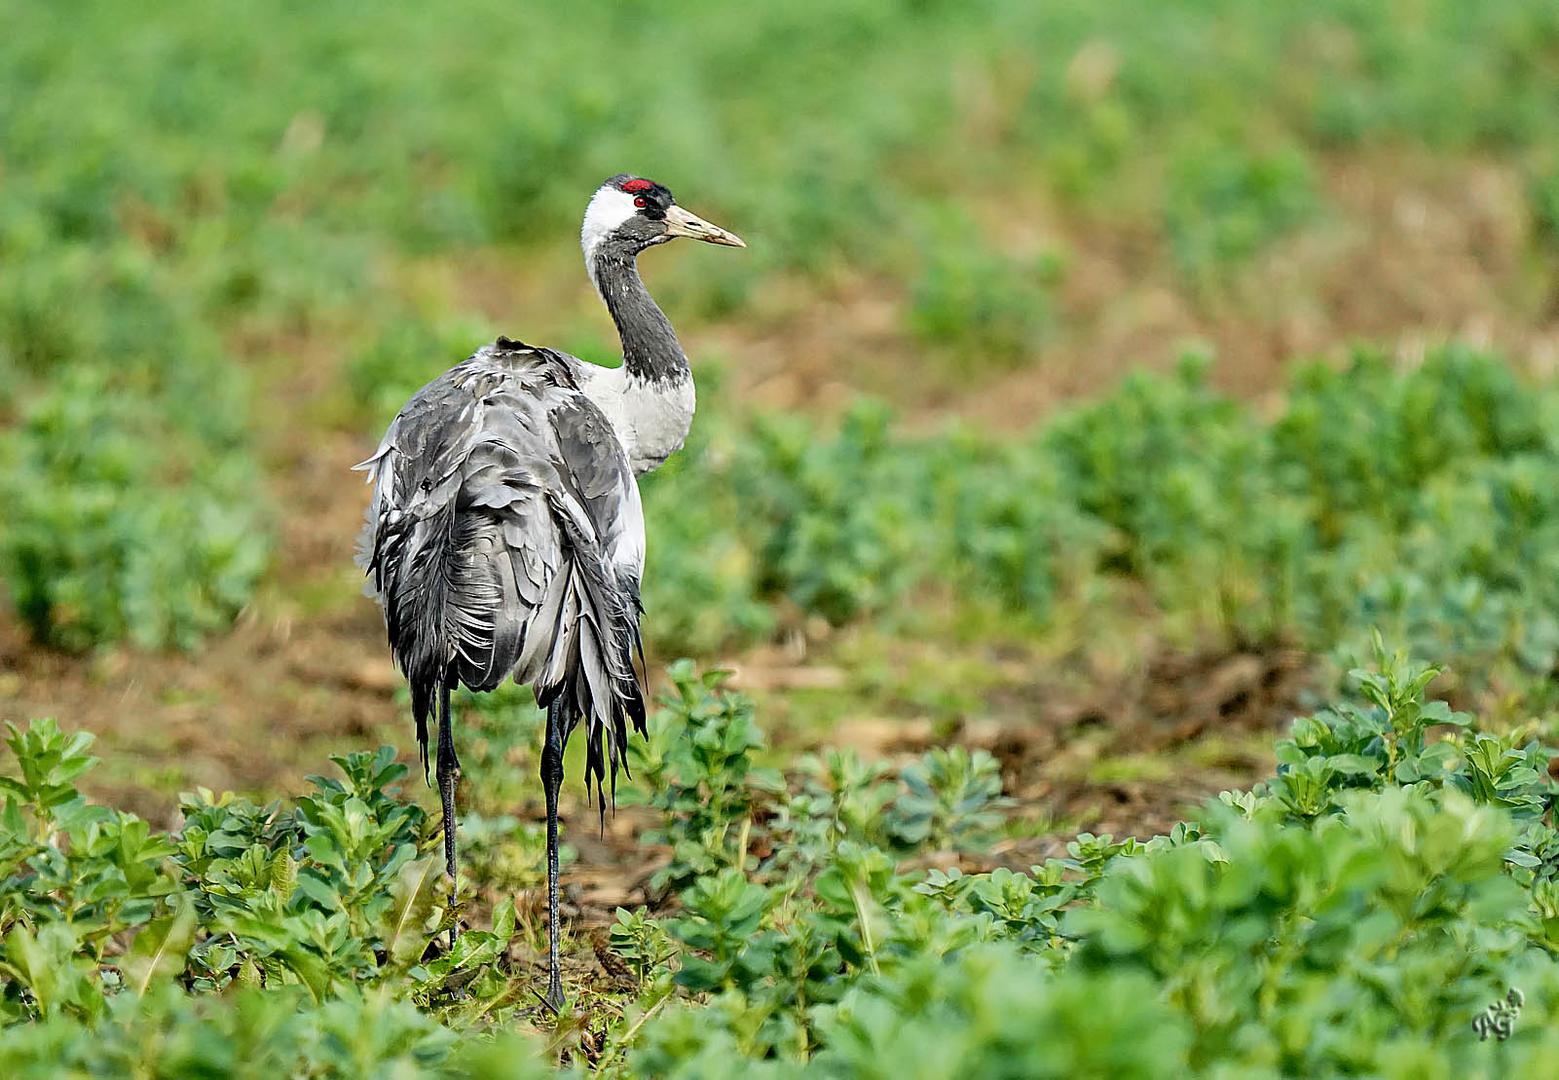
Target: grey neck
(651,351)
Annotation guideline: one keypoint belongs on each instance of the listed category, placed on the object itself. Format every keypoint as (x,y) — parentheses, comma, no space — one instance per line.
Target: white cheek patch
(607,210)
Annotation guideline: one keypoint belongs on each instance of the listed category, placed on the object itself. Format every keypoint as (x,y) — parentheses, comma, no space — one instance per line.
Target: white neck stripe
(607,211)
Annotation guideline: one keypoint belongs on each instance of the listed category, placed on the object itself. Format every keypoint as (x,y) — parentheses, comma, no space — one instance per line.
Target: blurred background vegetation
(1098,377)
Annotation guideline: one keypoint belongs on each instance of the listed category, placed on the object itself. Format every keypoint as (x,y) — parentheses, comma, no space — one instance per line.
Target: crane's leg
(551,781)
(448,770)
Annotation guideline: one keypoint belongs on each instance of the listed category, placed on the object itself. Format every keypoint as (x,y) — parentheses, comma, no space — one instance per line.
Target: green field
(1104,386)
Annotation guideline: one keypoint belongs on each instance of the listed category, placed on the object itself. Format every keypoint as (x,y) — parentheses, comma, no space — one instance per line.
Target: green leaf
(414,898)
(159,949)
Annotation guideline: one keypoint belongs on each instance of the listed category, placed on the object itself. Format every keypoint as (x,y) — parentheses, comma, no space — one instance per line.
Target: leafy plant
(99,543)
(107,926)
(1394,877)
(1225,204)
(985,308)
(1305,934)
(698,764)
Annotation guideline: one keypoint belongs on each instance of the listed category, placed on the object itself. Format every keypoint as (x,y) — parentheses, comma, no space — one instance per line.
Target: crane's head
(631,213)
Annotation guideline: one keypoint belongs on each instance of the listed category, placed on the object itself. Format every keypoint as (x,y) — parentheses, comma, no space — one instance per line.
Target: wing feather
(502,501)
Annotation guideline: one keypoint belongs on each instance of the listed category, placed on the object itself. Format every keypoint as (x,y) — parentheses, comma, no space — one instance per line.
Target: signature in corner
(1499,1019)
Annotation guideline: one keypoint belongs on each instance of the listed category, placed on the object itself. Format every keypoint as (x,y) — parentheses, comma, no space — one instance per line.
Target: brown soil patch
(1208,717)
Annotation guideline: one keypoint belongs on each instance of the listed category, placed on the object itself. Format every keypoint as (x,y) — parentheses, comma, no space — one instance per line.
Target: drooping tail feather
(600,683)
(462,607)
(412,567)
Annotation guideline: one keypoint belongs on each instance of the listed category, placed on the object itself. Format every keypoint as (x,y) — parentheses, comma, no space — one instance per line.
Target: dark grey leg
(551,780)
(448,774)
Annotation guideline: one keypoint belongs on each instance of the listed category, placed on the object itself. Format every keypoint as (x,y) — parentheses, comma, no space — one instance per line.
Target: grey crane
(505,536)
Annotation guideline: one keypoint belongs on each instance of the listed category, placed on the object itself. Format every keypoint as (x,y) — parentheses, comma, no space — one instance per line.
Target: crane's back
(505,538)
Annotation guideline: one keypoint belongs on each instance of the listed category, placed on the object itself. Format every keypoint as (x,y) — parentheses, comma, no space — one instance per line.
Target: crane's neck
(650,399)
(651,351)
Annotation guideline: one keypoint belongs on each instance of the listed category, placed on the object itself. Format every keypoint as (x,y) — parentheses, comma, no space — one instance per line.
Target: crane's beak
(680,222)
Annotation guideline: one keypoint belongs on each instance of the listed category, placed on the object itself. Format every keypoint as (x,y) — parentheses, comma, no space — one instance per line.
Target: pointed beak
(680,222)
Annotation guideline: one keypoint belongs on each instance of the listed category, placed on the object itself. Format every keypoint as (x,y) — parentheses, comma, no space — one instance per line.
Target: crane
(505,535)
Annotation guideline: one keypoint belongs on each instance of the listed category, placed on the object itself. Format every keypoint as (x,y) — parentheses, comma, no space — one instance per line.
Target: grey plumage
(500,492)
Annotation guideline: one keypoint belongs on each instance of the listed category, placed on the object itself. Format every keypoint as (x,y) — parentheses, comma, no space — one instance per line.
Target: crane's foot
(554,999)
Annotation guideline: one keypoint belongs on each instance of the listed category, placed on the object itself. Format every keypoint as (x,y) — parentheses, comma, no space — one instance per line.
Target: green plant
(103,541)
(697,764)
(1279,935)
(322,913)
(952,801)
(986,309)
(1225,204)
(1288,930)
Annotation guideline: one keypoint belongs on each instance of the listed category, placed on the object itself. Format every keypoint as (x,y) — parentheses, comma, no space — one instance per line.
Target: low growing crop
(312,922)
(120,526)
(1376,894)
(1417,499)
(1357,911)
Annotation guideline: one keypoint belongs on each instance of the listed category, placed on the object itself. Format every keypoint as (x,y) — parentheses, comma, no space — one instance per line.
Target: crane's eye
(640,201)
